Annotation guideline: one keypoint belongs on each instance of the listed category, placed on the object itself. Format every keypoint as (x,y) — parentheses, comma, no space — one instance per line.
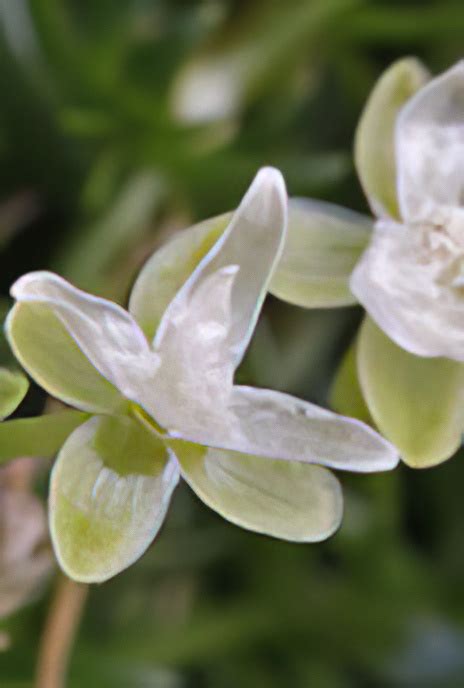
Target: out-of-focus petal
(107,334)
(288,500)
(110,489)
(279,426)
(346,395)
(430,149)
(25,559)
(323,244)
(13,389)
(43,346)
(169,268)
(404,290)
(374,150)
(416,402)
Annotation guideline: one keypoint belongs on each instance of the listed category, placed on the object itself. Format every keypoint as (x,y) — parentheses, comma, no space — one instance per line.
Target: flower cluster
(155,383)
(158,383)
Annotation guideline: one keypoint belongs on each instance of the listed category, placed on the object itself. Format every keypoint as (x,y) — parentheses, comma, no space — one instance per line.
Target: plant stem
(59,633)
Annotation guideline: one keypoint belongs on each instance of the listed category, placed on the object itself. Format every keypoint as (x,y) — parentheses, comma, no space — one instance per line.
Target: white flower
(159,381)
(411,278)
(406,363)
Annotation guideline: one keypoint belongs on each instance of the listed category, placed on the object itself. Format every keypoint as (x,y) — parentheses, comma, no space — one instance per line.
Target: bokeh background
(122,121)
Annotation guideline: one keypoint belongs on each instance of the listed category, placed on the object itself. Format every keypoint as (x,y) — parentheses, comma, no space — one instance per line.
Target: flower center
(441,247)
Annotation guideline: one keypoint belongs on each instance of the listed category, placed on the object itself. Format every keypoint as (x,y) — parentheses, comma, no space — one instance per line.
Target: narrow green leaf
(40,436)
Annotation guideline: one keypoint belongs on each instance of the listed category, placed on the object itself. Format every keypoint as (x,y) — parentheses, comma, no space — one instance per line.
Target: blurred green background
(122,121)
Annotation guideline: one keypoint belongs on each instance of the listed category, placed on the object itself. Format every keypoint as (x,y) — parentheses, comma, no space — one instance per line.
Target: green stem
(39,436)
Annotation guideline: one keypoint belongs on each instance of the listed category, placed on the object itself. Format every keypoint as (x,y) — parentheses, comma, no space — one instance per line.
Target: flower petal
(324,242)
(374,149)
(206,329)
(292,501)
(50,355)
(13,389)
(279,426)
(400,287)
(346,395)
(107,335)
(416,402)
(110,489)
(169,268)
(430,147)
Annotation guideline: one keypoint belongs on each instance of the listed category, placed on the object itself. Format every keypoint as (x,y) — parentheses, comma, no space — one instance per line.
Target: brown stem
(59,633)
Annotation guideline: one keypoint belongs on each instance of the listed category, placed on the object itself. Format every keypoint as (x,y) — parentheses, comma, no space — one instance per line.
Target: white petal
(324,242)
(110,489)
(279,426)
(168,269)
(396,282)
(430,147)
(108,336)
(288,500)
(207,327)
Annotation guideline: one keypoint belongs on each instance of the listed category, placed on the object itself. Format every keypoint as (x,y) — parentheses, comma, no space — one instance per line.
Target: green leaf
(110,489)
(324,243)
(374,149)
(41,436)
(43,346)
(286,499)
(416,402)
(346,395)
(166,271)
(13,389)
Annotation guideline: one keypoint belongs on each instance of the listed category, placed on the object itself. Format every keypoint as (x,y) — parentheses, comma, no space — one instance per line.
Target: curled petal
(107,335)
(416,402)
(430,148)
(206,329)
(324,242)
(292,501)
(110,489)
(279,426)
(403,290)
(169,268)
(374,149)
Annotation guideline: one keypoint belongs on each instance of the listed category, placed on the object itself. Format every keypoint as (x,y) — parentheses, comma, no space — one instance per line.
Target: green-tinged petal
(168,269)
(40,436)
(374,149)
(13,389)
(110,489)
(107,334)
(50,355)
(416,402)
(346,395)
(324,242)
(292,501)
